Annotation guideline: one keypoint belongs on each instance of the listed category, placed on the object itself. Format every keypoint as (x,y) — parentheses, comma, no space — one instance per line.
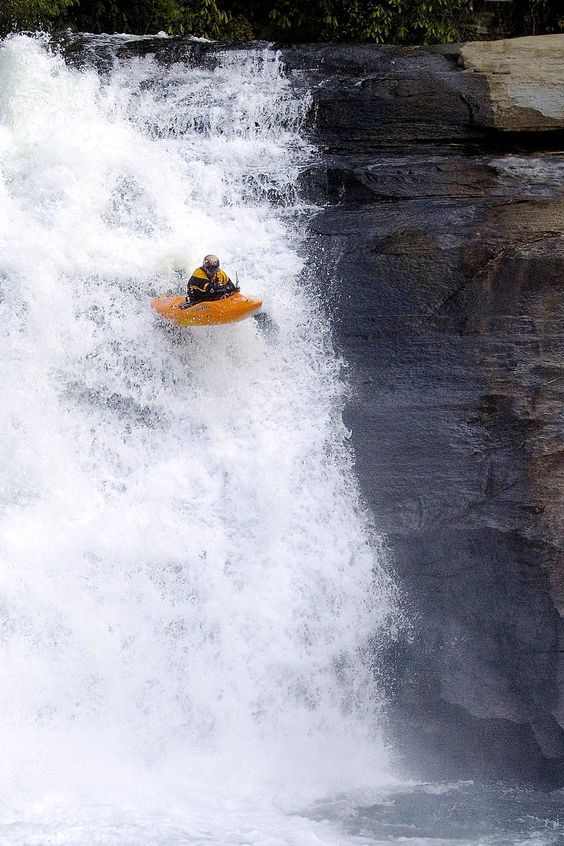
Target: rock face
(441,252)
(525,77)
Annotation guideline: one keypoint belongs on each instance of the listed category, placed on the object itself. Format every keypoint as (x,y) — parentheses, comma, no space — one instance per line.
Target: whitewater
(190,590)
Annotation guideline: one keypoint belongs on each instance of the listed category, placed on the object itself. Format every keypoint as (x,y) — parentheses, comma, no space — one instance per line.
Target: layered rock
(441,254)
(525,78)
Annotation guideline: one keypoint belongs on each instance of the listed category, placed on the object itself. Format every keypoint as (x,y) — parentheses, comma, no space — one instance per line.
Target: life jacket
(199,283)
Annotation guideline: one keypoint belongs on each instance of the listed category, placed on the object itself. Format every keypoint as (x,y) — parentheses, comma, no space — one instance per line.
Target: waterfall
(189,587)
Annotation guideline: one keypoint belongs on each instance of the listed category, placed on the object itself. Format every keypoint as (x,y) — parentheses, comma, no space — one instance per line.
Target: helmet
(211,264)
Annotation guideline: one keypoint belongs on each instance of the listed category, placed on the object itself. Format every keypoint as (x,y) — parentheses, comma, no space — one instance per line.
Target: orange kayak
(207,313)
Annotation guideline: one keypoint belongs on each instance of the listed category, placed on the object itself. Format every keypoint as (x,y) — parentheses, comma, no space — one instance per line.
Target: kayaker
(209,282)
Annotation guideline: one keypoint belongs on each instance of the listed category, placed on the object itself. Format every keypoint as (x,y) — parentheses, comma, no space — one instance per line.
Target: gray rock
(525,78)
(370,96)
(442,265)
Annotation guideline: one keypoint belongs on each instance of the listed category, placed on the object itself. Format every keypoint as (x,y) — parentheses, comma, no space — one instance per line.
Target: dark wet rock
(104,50)
(367,97)
(442,265)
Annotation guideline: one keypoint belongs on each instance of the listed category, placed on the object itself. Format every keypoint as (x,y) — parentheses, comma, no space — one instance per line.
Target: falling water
(189,589)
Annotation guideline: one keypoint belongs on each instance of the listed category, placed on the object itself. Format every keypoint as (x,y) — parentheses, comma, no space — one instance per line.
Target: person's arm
(195,283)
(226,284)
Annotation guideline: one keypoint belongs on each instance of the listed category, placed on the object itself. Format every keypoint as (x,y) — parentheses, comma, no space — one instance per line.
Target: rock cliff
(441,251)
(525,78)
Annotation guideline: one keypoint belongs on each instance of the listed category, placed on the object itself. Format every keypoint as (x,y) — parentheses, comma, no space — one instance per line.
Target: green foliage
(392,21)
(29,14)
(528,17)
(436,22)
(137,16)
(205,18)
(176,17)
(399,21)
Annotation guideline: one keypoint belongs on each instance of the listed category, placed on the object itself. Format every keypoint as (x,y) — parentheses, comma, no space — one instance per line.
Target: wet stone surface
(441,249)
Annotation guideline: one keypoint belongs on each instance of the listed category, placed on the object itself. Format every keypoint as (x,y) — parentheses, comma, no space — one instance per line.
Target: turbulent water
(189,589)
(190,592)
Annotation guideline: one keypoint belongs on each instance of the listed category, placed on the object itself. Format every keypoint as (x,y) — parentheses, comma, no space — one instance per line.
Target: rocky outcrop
(441,253)
(525,78)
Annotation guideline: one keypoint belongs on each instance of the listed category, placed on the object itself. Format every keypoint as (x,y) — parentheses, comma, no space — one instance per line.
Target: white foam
(188,583)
